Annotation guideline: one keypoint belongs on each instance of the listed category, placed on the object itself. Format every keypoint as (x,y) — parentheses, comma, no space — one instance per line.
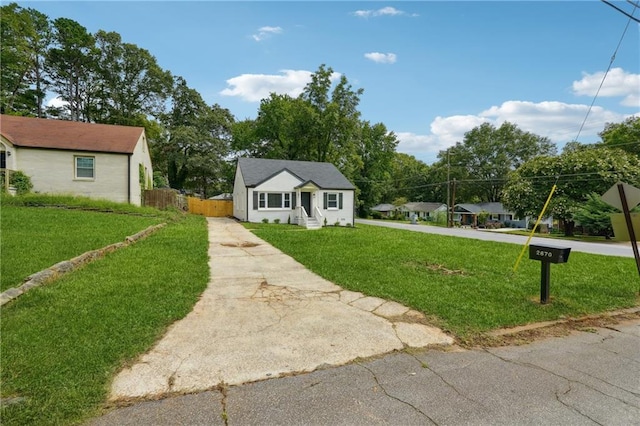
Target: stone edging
(52,273)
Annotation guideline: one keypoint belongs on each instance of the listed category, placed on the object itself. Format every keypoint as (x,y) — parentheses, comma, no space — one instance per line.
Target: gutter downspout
(129,178)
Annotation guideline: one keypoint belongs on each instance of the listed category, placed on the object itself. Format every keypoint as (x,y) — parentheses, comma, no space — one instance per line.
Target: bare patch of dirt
(532,333)
(436,267)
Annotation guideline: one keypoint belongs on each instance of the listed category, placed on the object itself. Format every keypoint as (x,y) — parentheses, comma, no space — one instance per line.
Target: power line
(613,58)
(635,5)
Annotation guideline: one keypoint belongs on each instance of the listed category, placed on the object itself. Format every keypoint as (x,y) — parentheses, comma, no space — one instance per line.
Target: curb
(539,325)
(54,272)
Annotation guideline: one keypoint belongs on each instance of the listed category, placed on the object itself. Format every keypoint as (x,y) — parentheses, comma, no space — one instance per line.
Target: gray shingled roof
(384,208)
(324,175)
(422,206)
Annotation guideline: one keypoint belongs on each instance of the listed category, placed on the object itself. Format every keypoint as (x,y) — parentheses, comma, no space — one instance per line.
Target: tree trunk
(569,226)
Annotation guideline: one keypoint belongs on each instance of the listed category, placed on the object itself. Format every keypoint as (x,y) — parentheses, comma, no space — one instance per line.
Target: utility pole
(453,199)
(449,207)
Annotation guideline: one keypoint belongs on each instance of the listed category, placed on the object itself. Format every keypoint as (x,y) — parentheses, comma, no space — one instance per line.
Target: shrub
(265,220)
(20,181)
(325,221)
(276,221)
(337,223)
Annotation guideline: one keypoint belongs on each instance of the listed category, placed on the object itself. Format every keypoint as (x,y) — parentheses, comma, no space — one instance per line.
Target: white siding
(140,156)
(345,215)
(53,171)
(282,182)
(239,197)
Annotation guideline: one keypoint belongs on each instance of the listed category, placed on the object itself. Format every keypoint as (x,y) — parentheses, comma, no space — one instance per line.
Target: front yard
(467,286)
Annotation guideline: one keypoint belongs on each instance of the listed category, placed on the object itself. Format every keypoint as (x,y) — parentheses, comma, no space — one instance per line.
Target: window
(273,200)
(333,200)
(85,167)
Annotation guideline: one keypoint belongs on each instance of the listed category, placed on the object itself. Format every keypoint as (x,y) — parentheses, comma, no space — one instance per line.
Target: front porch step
(312,223)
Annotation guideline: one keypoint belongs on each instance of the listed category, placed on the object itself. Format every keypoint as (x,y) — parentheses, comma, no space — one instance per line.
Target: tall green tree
(375,153)
(196,143)
(336,116)
(409,179)
(577,173)
(284,128)
(131,83)
(625,135)
(483,160)
(72,66)
(26,36)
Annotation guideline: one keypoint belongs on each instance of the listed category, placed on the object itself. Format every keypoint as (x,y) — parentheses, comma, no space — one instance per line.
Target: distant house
(225,196)
(424,211)
(305,193)
(385,210)
(67,157)
(467,214)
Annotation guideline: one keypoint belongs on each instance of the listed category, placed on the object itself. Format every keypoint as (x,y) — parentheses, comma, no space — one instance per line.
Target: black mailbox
(549,253)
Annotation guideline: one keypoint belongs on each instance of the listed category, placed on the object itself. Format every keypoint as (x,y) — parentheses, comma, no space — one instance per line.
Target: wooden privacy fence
(164,198)
(211,208)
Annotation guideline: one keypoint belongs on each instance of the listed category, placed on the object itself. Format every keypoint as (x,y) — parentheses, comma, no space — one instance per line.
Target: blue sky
(430,70)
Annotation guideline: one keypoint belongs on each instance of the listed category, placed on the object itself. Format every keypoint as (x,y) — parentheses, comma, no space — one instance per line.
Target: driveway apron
(264,315)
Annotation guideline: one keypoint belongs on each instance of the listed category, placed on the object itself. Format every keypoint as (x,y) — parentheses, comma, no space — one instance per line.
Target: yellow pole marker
(515,267)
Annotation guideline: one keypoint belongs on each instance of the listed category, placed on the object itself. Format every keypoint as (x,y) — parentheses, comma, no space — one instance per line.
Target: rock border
(54,272)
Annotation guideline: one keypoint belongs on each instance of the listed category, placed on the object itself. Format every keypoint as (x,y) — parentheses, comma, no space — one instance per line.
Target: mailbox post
(547,255)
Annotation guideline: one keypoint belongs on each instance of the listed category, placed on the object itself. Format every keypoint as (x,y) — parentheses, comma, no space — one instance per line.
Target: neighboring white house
(305,193)
(424,211)
(66,157)
(467,214)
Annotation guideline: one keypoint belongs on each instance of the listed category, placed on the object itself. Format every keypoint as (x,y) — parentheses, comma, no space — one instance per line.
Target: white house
(305,193)
(424,211)
(467,214)
(67,157)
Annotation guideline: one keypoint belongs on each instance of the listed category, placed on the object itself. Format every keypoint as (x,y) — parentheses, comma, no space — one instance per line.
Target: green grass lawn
(466,285)
(34,238)
(63,343)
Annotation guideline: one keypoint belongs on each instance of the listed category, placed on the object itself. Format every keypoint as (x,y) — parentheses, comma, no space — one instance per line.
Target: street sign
(612,196)
(627,197)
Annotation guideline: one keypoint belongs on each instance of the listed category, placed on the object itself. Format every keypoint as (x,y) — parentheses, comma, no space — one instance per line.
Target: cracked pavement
(264,315)
(586,378)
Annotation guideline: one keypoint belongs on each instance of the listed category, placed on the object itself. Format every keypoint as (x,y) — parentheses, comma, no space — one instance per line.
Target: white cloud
(255,87)
(385,11)
(558,121)
(381,58)
(265,32)
(617,84)
(56,103)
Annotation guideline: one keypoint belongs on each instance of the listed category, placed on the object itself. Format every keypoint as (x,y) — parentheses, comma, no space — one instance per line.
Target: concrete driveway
(264,315)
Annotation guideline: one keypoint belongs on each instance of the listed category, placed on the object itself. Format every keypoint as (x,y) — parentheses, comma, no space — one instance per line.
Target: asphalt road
(607,249)
(588,378)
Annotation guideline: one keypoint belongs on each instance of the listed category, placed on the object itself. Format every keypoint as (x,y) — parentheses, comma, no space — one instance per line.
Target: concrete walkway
(264,315)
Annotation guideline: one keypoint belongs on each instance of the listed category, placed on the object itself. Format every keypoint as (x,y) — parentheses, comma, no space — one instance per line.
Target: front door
(305,200)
